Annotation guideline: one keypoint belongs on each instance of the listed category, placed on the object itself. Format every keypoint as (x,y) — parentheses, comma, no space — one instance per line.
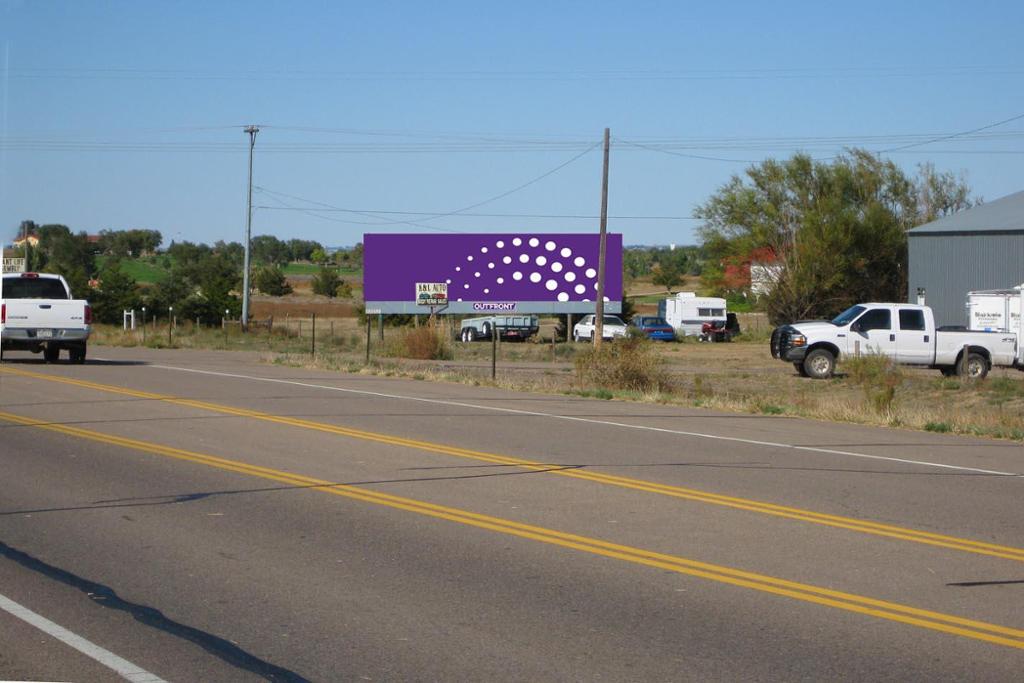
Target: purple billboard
(524,273)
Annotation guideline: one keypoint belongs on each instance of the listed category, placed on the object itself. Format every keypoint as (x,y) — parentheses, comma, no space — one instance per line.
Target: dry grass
(737,377)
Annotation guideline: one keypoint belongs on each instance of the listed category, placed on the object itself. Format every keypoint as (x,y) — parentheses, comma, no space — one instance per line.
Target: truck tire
(77,354)
(977,366)
(485,330)
(819,364)
(51,353)
(470,334)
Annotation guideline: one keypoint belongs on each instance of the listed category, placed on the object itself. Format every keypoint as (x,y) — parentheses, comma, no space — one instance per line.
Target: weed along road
(190,515)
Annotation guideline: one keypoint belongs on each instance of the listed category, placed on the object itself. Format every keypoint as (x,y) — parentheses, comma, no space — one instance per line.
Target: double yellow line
(836,521)
(935,621)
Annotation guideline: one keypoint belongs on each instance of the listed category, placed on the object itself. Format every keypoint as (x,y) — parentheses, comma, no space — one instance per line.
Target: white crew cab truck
(903,332)
(37,313)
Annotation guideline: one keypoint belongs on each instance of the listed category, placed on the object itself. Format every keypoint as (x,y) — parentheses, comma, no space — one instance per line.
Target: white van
(994,310)
(687,312)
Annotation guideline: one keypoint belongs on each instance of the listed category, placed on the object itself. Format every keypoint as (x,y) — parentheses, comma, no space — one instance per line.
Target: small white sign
(14,265)
(432,293)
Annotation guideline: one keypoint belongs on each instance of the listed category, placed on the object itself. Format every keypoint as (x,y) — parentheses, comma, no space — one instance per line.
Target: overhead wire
(499,215)
(435,216)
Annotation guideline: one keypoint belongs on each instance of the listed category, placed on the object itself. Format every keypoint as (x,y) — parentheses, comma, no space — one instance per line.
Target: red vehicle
(720,330)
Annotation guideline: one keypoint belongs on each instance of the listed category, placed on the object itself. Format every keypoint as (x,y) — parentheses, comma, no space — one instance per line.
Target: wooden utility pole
(599,317)
(251,131)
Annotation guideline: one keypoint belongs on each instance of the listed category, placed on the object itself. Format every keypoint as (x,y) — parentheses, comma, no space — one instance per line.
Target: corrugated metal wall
(949,266)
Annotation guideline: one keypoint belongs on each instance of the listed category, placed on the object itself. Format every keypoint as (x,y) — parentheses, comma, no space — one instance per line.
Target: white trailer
(687,312)
(994,310)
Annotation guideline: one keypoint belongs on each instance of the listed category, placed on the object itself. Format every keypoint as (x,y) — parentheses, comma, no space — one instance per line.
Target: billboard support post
(367,340)
(494,353)
(599,318)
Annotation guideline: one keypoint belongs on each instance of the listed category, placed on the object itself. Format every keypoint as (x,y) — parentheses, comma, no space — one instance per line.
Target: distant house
(758,273)
(32,240)
(974,249)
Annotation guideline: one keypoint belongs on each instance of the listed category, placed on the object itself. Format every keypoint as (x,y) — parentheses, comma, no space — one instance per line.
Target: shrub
(424,343)
(629,364)
(344,290)
(940,427)
(878,376)
(325,282)
(271,281)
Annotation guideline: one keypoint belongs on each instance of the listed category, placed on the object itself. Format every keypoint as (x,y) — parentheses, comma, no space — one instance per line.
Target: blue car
(654,327)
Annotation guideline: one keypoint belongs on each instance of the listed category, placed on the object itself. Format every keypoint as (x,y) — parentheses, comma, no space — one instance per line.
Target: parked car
(613,327)
(653,327)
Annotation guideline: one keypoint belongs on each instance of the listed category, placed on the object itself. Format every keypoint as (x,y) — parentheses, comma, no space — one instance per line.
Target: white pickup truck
(903,332)
(37,313)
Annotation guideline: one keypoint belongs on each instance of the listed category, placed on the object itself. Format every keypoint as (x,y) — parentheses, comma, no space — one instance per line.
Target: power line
(739,74)
(956,135)
(493,215)
(687,156)
(434,216)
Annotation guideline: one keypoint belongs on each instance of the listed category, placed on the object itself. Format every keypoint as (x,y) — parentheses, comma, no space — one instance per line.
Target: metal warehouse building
(979,248)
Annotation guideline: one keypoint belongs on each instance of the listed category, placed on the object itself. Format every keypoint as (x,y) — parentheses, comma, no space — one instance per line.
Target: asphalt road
(198,516)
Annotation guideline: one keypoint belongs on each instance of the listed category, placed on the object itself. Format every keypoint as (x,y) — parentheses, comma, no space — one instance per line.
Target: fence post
(494,352)
(964,366)
(312,344)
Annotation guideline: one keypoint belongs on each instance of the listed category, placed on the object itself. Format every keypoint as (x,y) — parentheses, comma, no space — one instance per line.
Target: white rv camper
(687,312)
(994,310)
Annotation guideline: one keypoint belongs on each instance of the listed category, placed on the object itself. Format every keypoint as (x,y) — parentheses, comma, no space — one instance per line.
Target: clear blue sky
(121,115)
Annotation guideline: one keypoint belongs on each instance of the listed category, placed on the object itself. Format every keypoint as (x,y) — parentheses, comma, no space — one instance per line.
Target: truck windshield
(33,288)
(848,315)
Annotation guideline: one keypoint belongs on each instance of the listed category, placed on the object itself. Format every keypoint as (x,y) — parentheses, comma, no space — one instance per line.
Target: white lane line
(588,420)
(123,667)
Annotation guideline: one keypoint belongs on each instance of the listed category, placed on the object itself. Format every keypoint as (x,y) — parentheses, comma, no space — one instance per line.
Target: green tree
(838,228)
(271,281)
(62,252)
(269,249)
(116,292)
(302,250)
(202,288)
(667,275)
(326,282)
(318,256)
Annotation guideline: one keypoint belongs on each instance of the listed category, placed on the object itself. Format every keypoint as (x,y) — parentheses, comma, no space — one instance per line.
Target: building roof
(1002,215)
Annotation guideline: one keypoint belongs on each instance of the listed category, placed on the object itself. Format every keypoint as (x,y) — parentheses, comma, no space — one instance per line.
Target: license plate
(44,334)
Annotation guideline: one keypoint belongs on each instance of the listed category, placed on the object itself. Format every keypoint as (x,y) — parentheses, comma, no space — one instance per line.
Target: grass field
(143,272)
(312,269)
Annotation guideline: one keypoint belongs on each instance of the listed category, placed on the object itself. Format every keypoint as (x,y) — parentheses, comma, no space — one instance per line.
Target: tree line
(202,282)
